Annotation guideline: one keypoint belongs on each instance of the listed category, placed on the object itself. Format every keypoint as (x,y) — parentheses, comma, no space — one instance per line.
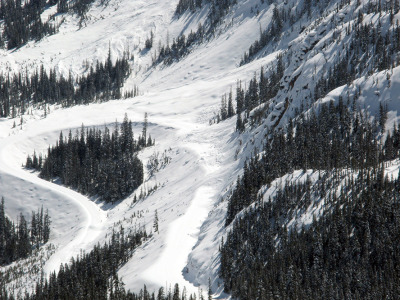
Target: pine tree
(155,224)
(383,110)
(34,229)
(224,109)
(209,289)
(161,294)
(176,295)
(24,246)
(144,131)
(239,123)
(46,227)
(231,111)
(2,229)
(239,98)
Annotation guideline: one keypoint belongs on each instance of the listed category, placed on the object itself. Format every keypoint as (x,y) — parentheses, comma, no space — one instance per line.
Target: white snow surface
(180,100)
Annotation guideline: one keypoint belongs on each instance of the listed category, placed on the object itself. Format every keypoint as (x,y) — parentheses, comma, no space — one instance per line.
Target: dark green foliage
(92,275)
(209,296)
(62,6)
(341,255)
(17,240)
(282,18)
(259,92)
(40,227)
(155,223)
(266,36)
(218,9)
(80,7)
(333,138)
(365,37)
(351,252)
(103,82)
(22,22)
(180,47)
(97,163)
(377,52)
(226,110)
(392,144)
(184,5)
(149,41)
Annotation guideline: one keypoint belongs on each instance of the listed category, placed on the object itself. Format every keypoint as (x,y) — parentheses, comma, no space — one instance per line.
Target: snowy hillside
(201,162)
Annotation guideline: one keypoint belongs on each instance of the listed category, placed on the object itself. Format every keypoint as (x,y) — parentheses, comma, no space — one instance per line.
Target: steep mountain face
(308,120)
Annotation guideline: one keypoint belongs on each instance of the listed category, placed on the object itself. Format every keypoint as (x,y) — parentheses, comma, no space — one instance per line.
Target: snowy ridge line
(318,205)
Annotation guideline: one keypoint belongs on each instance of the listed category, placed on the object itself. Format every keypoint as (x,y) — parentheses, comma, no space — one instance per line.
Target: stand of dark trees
(182,45)
(103,82)
(284,17)
(96,163)
(351,250)
(94,275)
(258,92)
(218,9)
(23,22)
(378,51)
(335,137)
(18,240)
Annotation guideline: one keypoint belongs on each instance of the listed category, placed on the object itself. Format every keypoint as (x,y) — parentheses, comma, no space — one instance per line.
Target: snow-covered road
(78,221)
(180,100)
(183,203)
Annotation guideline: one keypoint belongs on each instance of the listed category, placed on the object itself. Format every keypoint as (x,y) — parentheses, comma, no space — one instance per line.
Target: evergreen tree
(231,111)
(103,82)
(46,227)
(155,224)
(209,289)
(2,229)
(17,241)
(176,295)
(383,110)
(95,163)
(24,246)
(144,131)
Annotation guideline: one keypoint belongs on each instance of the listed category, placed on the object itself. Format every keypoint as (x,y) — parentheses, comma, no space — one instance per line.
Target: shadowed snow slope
(179,99)
(203,161)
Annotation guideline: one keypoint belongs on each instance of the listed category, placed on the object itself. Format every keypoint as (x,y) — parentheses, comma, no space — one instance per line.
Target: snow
(181,237)
(180,101)
(83,221)
(204,160)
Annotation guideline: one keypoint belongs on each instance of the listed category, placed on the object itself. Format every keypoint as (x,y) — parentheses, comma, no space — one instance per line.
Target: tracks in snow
(82,220)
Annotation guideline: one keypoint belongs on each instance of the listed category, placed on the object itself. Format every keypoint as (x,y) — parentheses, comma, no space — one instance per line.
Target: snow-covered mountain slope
(179,100)
(203,160)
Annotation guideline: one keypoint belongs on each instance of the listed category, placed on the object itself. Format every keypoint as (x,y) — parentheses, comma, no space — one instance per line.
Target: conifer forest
(199,149)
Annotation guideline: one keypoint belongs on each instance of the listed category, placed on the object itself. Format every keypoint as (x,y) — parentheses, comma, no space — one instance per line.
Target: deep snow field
(180,100)
(204,159)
